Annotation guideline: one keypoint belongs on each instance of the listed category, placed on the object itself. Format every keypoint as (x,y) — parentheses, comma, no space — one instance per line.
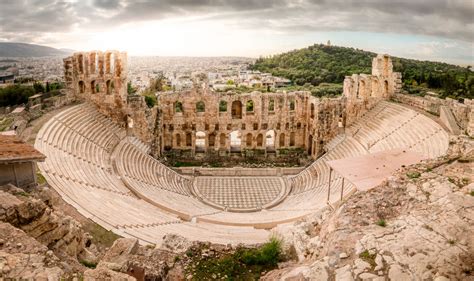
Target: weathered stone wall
(101,78)
(463,112)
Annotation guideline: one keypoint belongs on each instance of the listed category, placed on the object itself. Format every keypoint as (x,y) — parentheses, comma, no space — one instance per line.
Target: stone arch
(292,139)
(312,111)
(108,87)
(200,141)
(82,87)
(237,109)
(249,106)
(222,140)
(212,139)
(189,139)
(235,141)
(178,140)
(271,105)
(248,140)
(80,59)
(200,106)
(310,145)
(222,106)
(178,107)
(94,87)
(385,87)
(282,140)
(259,140)
(292,104)
(270,140)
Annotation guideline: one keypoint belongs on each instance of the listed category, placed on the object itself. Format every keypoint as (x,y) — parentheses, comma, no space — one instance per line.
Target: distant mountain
(8,49)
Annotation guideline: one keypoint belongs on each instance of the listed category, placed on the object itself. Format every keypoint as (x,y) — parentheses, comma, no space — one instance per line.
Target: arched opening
(189,139)
(282,140)
(235,141)
(212,139)
(271,105)
(375,87)
(200,141)
(222,140)
(292,139)
(222,106)
(178,140)
(236,110)
(312,111)
(385,88)
(270,140)
(92,63)
(108,87)
(200,106)
(292,105)
(81,64)
(93,87)
(82,87)
(249,106)
(178,107)
(248,140)
(310,145)
(259,140)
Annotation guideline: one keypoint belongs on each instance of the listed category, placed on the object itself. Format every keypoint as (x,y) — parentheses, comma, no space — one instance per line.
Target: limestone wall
(463,112)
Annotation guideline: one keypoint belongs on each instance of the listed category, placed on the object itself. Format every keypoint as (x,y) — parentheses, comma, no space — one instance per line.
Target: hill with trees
(320,64)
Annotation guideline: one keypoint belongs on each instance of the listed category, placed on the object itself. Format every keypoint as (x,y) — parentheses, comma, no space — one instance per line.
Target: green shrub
(413,175)
(269,254)
(88,264)
(150,100)
(381,223)
(368,257)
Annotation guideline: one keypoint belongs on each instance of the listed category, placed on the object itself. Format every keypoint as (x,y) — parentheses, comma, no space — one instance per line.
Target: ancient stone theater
(103,155)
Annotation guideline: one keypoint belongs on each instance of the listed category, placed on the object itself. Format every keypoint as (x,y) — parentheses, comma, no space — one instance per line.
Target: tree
(130,89)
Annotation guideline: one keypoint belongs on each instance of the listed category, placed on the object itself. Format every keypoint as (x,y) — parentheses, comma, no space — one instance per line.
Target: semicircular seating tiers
(111,179)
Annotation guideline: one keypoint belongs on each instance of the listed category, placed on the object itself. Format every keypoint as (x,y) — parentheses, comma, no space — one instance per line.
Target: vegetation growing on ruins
(330,64)
(243,264)
(18,94)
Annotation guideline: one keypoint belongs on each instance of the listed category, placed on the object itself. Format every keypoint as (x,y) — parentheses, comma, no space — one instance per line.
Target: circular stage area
(240,194)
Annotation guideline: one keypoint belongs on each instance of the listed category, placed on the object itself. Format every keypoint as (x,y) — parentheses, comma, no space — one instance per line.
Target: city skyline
(425,30)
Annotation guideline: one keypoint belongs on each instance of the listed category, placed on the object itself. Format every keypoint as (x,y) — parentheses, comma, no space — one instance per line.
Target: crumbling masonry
(201,123)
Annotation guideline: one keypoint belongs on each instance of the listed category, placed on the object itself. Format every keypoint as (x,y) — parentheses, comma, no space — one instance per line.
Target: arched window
(361,92)
(108,87)
(212,139)
(93,91)
(292,139)
(249,106)
(292,105)
(222,106)
(188,139)
(312,111)
(386,87)
(200,107)
(81,63)
(178,140)
(260,140)
(282,140)
(236,110)
(271,105)
(82,87)
(178,107)
(235,141)
(248,140)
(310,145)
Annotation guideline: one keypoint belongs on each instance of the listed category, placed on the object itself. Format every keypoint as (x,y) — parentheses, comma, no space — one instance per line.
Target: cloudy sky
(421,29)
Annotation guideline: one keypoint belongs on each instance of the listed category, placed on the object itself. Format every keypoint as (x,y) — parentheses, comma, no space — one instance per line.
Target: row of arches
(236,107)
(362,89)
(95,65)
(234,139)
(96,88)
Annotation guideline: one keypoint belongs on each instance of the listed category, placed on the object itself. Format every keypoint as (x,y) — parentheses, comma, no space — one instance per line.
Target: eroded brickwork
(202,123)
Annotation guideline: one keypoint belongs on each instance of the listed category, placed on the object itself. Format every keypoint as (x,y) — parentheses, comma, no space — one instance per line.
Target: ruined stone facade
(101,78)
(201,123)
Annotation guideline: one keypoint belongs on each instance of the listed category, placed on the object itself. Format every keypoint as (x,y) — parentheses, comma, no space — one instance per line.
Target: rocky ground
(418,225)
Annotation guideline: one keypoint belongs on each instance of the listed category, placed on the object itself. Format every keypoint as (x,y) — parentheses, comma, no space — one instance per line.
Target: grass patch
(5,123)
(381,222)
(100,235)
(243,264)
(178,164)
(88,264)
(413,175)
(40,178)
(472,193)
(22,193)
(451,241)
(368,257)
